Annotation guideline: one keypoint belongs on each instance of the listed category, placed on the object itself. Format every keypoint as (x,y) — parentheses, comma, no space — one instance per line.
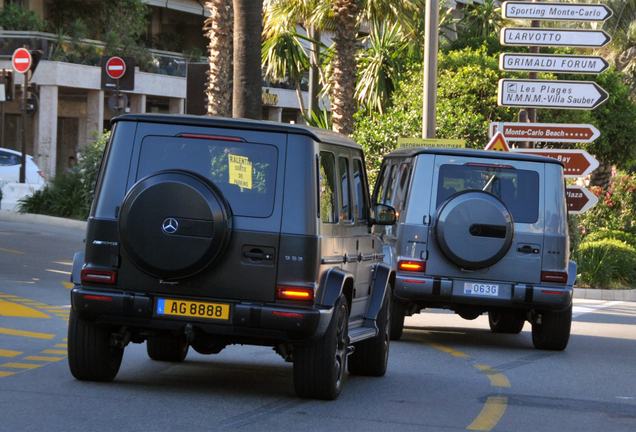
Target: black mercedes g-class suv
(206,232)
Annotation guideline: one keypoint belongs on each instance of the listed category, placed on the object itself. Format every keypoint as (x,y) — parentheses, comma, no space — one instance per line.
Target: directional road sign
(554,63)
(546,132)
(536,36)
(555,11)
(578,163)
(580,199)
(21,60)
(115,67)
(550,94)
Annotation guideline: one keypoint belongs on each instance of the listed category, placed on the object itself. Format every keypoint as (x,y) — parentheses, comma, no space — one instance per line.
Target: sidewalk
(579,293)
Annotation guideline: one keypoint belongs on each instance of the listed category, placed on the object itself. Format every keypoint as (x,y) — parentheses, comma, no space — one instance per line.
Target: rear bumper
(248,322)
(439,291)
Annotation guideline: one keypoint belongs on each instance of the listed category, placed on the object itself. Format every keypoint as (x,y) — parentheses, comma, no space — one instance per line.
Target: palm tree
(247,88)
(219,29)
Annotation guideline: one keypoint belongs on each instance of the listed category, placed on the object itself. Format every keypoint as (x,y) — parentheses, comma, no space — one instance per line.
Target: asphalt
(580,293)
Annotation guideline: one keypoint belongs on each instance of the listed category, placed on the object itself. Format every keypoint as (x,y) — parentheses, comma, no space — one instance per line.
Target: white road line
(578,310)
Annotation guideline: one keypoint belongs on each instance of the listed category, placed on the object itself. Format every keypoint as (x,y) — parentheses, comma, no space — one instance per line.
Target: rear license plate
(193,309)
(481,289)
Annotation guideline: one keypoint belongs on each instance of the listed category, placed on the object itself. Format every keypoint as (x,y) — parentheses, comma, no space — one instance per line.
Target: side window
(327,182)
(380,184)
(345,191)
(9,159)
(359,183)
(391,186)
(404,179)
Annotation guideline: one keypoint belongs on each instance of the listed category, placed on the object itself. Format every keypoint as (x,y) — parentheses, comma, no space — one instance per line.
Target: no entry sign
(115,67)
(21,60)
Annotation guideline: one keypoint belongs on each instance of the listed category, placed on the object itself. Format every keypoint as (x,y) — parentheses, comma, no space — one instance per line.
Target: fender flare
(76,272)
(382,276)
(572,268)
(332,286)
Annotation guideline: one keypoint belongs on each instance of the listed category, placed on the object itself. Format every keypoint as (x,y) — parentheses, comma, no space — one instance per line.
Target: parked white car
(10,162)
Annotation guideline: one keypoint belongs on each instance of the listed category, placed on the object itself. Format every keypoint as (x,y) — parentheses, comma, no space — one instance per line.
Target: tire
(554,331)
(371,356)
(398,312)
(319,367)
(167,349)
(505,322)
(91,354)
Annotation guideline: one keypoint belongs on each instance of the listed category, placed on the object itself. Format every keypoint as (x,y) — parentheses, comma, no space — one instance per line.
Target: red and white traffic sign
(21,60)
(546,132)
(578,163)
(115,67)
(580,199)
(497,143)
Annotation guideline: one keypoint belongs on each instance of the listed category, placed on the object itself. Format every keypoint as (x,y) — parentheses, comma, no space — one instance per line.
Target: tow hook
(350,350)
(189,332)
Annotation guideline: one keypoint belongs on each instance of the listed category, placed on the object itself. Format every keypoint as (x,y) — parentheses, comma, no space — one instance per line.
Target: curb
(579,293)
(7,215)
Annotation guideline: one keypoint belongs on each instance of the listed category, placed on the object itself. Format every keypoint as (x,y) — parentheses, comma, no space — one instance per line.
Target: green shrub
(13,17)
(616,207)
(70,193)
(607,263)
(603,234)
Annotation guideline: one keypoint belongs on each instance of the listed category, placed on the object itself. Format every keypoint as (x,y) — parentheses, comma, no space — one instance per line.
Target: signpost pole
(429,115)
(532,112)
(2,110)
(23,109)
(117,98)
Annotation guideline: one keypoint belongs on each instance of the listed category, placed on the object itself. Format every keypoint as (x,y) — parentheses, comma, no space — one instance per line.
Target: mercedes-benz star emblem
(170,226)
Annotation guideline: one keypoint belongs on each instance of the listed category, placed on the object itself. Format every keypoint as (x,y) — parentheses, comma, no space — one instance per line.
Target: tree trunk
(314,73)
(343,105)
(248,27)
(219,28)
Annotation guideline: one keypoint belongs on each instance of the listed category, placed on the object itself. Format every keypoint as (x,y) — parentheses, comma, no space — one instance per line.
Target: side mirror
(384,215)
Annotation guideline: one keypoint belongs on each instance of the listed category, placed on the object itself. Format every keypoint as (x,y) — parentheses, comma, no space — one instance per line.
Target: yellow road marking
(44,359)
(19,310)
(497,379)
(493,410)
(61,345)
(7,296)
(12,251)
(21,365)
(63,262)
(50,351)
(26,334)
(9,353)
(448,350)
(4,374)
(67,285)
(21,300)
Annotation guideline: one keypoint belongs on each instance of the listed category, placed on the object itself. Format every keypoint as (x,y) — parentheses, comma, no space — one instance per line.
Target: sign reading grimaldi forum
(555,11)
(554,63)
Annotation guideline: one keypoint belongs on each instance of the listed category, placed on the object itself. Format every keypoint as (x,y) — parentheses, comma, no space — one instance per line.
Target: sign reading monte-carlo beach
(554,94)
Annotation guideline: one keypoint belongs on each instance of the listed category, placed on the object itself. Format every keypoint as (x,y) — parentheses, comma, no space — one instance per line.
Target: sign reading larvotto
(524,36)
(555,11)
(550,94)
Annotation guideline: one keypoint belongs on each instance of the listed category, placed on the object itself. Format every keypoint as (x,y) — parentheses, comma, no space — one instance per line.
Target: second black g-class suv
(206,232)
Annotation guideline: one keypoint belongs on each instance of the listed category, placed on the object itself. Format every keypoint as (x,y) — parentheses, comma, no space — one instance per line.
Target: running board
(361,333)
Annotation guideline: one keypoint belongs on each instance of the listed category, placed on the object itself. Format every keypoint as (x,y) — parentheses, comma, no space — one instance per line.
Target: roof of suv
(320,135)
(473,153)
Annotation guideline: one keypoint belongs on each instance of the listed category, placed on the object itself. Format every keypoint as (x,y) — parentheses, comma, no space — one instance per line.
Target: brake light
(97,297)
(413,266)
(212,137)
(99,276)
(484,165)
(295,293)
(287,314)
(554,277)
(41,173)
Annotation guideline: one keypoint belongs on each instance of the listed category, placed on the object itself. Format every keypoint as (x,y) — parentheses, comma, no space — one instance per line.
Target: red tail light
(41,173)
(554,277)
(99,276)
(97,297)
(295,293)
(212,137)
(412,266)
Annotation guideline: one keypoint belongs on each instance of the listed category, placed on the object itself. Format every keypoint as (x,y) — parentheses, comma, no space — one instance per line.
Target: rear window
(244,172)
(518,189)
(9,159)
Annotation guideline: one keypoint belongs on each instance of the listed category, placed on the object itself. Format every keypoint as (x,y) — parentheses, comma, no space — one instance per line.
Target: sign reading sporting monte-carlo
(554,11)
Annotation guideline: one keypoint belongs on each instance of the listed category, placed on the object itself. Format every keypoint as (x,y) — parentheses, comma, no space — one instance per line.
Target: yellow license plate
(193,309)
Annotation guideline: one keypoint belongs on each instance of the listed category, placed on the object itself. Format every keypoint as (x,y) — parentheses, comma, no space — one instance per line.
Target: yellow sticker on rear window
(240,171)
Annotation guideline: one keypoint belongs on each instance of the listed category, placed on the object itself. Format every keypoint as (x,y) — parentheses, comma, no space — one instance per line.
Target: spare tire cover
(173,224)
(474,229)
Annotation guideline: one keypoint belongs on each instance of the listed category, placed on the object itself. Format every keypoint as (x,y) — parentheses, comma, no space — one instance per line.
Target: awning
(188,6)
